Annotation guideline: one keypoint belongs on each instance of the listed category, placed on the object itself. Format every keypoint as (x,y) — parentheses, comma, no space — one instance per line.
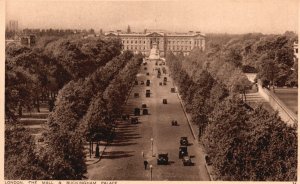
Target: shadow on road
(116,154)
(171,162)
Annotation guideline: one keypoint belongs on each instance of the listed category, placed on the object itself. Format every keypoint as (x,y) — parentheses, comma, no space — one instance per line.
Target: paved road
(123,159)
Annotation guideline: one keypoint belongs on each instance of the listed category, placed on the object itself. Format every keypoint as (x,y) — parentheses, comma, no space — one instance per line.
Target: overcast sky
(218,16)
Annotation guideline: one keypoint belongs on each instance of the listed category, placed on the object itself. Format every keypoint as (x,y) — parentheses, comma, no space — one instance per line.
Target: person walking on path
(145,164)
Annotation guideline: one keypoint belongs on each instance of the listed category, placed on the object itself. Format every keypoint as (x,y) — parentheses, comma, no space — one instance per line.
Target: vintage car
(184,141)
(182,151)
(148,95)
(134,120)
(162,159)
(186,160)
(137,111)
(207,160)
(145,111)
(165,101)
(136,95)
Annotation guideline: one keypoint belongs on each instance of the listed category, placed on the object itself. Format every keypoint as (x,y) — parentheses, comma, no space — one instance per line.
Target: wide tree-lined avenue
(123,158)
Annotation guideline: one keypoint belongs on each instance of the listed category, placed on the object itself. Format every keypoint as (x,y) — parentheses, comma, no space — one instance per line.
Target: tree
(21,161)
(268,71)
(246,144)
(241,85)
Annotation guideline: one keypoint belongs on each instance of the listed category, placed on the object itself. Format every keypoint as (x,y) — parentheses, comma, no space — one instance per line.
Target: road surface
(123,159)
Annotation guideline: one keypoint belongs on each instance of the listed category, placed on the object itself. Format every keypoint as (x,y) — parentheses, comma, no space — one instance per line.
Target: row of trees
(200,96)
(250,145)
(82,113)
(35,74)
(271,56)
(243,143)
(10,34)
(32,73)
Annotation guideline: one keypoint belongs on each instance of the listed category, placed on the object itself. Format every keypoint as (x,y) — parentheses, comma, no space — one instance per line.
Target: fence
(284,112)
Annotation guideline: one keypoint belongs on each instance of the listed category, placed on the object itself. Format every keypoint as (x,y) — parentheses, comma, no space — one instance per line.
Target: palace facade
(175,42)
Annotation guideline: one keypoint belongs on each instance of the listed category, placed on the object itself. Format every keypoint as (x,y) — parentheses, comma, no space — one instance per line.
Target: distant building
(12,25)
(28,40)
(164,41)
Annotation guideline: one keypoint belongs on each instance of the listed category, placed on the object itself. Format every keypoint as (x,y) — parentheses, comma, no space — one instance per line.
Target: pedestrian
(145,164)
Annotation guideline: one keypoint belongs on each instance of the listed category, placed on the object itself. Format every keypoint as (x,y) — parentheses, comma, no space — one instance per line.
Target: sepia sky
(218,16)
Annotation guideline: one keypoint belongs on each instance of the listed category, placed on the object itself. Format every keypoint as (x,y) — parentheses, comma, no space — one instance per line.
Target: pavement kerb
(185,113)
(191,128)
(210,176)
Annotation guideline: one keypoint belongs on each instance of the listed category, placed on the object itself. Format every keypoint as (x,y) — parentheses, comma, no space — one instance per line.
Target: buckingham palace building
(163,41)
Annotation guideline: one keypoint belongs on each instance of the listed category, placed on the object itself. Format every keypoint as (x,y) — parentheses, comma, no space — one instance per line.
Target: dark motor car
(136,95)
(182,151)
(207,160)
(162,159)
(165,101)
(148,83)
(134,120)
(145,112)
(184,141)
(147,95)
(186,160)
(137,111)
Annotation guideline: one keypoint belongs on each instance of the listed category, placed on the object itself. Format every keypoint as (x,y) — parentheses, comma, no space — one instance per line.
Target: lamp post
(151,146)
(150,172)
